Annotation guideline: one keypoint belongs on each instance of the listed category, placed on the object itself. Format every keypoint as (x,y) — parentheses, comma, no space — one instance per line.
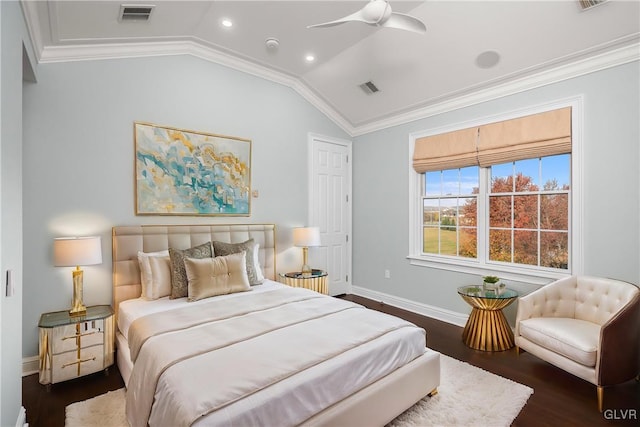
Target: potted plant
(473,290)
(490,283)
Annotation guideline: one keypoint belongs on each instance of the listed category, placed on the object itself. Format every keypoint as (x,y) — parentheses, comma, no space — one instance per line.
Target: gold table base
(487,328)
(316,283)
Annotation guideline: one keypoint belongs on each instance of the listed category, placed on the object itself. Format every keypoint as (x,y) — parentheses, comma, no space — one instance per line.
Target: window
(450,227)
(529,212)
(526,221)
(500,196)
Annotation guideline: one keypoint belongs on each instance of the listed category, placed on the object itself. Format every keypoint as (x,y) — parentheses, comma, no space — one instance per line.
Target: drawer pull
(78,362)
(80,335)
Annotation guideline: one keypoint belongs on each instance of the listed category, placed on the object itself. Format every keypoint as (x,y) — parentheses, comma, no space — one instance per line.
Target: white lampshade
(306,236)
(76,251)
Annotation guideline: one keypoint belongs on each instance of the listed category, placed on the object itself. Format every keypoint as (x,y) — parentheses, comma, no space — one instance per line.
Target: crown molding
(494,90)
(92,52)
(33,25)
(625,51)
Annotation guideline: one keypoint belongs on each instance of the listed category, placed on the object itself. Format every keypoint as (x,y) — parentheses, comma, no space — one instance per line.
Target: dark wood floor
(559,399)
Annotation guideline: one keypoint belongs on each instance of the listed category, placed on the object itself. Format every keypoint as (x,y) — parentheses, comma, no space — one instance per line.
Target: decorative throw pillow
(161,274)
(179,283)
(251,247)
(221,275)
(156,282)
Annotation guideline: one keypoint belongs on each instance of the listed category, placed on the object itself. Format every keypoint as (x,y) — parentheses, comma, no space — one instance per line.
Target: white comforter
(234,353)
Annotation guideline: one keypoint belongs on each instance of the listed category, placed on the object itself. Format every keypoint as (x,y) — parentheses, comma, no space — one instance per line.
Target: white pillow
(256,263)
(155,274)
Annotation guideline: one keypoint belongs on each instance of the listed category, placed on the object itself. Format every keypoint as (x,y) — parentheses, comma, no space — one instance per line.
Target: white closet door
(330,209)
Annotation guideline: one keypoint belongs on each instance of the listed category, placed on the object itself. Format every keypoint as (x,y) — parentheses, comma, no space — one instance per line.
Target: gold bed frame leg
(600,391)
(433,392)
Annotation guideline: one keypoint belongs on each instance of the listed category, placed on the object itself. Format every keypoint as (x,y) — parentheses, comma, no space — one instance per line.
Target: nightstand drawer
(64,337)
(65,365)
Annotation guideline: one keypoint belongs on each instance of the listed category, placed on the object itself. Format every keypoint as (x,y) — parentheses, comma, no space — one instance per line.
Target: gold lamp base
(306,270)
(78,311)
(78,308)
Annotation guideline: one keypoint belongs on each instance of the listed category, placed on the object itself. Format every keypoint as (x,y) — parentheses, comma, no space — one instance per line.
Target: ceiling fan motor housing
(376,11)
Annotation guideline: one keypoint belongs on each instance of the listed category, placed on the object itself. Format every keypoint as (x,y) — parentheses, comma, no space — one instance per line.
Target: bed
(272,355)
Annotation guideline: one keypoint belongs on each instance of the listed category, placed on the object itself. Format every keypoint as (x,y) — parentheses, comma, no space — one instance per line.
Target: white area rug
(467,396)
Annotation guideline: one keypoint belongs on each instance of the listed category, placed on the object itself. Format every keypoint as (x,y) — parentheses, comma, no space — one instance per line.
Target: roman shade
(449,150)
(537,135)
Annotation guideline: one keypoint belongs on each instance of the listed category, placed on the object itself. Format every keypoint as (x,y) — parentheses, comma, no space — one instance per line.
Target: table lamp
(77,251)
(306,237)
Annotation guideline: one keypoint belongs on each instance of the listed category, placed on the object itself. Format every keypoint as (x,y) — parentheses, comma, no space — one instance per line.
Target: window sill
(507,272)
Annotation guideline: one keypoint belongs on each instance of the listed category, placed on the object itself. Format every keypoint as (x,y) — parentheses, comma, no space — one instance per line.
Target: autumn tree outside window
(500,191)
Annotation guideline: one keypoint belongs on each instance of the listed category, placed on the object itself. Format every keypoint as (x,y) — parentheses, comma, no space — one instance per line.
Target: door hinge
(347,198)
(346,279)
(346,236)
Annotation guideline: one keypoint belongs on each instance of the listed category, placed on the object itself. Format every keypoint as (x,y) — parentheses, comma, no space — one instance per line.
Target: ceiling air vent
(369,88)
(135,12)
(588,4)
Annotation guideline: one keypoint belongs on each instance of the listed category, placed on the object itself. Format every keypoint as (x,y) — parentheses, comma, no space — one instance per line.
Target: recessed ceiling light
(309,58)
(227,23)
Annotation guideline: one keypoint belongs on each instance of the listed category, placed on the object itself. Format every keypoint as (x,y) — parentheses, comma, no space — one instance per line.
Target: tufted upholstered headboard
(128,240)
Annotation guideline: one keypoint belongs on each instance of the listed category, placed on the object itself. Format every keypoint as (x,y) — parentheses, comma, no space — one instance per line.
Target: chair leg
(600,392)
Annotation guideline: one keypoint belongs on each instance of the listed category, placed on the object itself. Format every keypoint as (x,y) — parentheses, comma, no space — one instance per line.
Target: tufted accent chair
(588,326)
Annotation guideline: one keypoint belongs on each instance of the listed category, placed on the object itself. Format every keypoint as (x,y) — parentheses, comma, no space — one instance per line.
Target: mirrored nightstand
(74,346)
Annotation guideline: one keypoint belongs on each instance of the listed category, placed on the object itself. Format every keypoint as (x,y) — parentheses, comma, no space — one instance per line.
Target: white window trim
(508,272)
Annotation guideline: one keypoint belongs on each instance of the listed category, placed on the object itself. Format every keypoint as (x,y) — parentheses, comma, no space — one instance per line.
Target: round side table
(317,281)
(487,328)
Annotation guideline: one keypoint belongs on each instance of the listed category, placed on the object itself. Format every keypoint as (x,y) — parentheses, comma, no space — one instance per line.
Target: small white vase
(487,286)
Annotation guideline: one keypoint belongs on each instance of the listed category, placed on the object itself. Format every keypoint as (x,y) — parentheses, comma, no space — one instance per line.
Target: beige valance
(449,150)
(537,135)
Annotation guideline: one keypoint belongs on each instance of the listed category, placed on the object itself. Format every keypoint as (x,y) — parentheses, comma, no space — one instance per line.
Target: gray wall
(79,167)
(13,36)
(611,190)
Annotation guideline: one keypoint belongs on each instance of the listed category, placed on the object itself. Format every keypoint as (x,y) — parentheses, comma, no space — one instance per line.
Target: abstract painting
(183,172)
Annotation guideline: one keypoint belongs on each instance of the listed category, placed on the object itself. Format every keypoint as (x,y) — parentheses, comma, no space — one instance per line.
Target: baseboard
(29,365)
(458,319)
(22,418)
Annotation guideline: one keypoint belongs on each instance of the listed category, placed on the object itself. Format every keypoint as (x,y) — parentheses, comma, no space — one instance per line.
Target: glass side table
(316,282)
(487,328)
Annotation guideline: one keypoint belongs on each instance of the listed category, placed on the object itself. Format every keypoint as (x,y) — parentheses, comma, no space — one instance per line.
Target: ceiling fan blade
(405,22)
(356,16)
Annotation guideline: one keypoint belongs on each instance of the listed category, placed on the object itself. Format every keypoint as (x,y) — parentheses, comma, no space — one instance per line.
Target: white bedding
(132,309)
(301,395)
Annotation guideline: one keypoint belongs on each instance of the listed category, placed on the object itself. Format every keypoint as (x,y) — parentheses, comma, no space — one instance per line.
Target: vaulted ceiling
(472,50)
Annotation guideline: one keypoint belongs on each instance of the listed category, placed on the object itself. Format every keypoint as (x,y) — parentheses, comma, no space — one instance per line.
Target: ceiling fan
(379,14)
